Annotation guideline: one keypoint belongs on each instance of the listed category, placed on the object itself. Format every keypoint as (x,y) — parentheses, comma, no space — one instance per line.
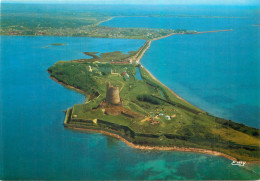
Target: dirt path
(141,52)
(212,31)
(103,21)
(165,36)
(123,85)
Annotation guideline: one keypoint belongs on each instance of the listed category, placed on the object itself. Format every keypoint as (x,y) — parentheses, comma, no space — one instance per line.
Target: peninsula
(80,24)
(125,101)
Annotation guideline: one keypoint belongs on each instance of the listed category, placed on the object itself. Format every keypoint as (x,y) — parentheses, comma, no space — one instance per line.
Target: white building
(89,68)
(168,117)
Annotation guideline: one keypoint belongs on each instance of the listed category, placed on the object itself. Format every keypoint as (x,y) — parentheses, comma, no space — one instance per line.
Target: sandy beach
(212,31)
(104,21)
(165,36)
(138,58)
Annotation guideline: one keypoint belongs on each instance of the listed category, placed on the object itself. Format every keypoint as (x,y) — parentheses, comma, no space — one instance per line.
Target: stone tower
(112,96)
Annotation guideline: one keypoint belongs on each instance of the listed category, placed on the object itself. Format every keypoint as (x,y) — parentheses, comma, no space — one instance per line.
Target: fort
(112,95)
(151,115)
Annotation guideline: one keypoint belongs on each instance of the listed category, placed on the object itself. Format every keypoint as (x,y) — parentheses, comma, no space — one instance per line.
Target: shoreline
(150,42)
(167,87)
(215,31)
(103,21)
(154,39)
(173,148)
(158,148)
(162,37)
(68,86)
(140,147)
(139,57)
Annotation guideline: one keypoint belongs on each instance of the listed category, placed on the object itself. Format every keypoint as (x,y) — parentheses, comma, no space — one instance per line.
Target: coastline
(150,41)
(162,37)
(158,148)
(139,57)
(140,147)
(68,86)
(103,21)
(166,86)
(215,31)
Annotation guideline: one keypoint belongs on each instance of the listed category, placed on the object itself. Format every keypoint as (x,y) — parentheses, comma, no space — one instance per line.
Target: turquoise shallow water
(35,145)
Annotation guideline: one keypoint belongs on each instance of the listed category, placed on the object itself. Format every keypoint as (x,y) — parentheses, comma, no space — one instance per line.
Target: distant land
(81,24)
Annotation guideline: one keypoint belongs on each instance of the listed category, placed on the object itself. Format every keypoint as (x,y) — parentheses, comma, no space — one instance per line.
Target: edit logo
(239,163)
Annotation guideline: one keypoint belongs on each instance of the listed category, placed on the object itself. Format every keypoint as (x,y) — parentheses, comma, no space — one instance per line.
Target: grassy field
(116,56)
(150,101)
(58,44)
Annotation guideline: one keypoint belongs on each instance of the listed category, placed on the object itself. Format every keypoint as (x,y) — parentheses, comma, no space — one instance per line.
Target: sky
(181,2)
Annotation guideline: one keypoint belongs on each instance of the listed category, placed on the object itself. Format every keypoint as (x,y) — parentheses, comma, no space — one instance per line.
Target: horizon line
(153,4)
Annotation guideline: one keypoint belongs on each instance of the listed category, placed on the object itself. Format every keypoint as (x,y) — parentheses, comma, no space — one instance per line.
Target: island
(58,44)
(124,100)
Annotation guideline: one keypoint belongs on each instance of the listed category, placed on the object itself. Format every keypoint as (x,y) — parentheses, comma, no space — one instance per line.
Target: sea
(218,72)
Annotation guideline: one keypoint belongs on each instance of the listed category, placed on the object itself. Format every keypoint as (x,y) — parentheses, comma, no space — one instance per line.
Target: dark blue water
(221,77)
(218,72)
(35,145)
